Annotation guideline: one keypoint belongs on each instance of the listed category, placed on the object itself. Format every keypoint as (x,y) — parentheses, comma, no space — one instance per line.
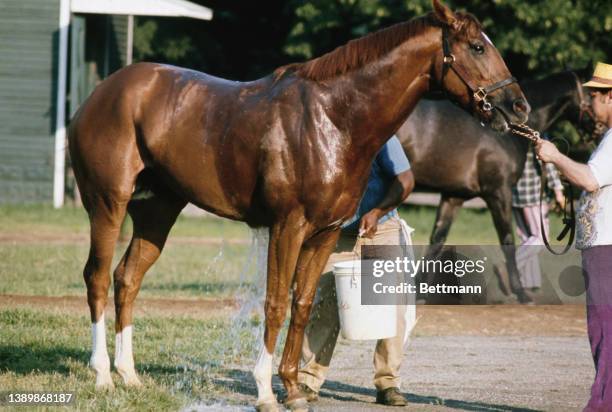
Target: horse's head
(472,71)
(581,111)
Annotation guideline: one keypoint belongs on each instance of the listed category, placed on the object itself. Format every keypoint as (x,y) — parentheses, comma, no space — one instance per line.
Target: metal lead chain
(525,131)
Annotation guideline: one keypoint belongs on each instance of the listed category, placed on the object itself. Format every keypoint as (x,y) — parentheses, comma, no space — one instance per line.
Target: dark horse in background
(291,151)
(450,152)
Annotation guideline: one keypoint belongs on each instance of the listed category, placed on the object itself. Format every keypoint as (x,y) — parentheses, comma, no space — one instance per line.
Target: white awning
(168,8)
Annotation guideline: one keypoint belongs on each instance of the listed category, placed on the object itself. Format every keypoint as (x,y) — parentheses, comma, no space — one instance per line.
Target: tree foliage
(243,41)
(248,39)
(535,37)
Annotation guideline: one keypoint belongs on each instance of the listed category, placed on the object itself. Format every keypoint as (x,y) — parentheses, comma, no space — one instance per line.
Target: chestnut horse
(291,151)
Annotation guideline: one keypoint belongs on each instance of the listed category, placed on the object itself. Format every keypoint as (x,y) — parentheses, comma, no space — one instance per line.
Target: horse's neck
(544,116)
(382,94)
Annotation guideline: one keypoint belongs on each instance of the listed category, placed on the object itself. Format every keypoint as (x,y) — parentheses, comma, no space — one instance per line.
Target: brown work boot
(391,397)
(310,394)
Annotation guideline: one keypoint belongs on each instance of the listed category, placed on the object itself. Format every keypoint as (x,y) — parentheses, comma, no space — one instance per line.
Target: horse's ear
(589,68)
(585,73)
(444,14)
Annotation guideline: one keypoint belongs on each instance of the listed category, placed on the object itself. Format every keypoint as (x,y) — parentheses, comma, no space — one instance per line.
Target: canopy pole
(60,119)
(130,40)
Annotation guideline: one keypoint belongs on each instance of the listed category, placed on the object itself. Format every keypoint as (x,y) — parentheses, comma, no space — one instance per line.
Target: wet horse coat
(291,151)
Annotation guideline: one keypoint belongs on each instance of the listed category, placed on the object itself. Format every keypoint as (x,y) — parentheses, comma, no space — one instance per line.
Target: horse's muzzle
(509,107)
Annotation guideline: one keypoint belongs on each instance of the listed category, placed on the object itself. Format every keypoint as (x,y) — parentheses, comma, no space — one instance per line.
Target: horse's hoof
(297,405)
(132,381)
(104,383)
(267,407)
(130,378)
(503,282)
(524,298)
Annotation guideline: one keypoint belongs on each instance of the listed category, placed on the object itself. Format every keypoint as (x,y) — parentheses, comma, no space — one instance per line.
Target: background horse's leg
(153,218)
(447,212)
(311,262)
(105,216)
(500,205)
(286,238)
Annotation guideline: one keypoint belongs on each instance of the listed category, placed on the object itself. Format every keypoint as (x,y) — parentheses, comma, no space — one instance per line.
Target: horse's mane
(359,52)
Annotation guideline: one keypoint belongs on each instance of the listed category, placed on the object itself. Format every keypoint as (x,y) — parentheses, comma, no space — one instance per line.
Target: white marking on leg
(263,376)
(99,361)
(124,359)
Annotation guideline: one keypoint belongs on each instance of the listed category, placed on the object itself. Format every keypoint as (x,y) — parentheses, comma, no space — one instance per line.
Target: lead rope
(410,313)
(569,219)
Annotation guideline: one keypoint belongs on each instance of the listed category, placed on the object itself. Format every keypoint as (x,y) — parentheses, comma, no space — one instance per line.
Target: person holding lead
(594,233)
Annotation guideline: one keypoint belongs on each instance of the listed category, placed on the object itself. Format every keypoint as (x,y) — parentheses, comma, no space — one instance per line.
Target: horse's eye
(478,48)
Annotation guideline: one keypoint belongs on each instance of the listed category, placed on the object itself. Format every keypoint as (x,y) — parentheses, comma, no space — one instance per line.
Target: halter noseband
(480,93)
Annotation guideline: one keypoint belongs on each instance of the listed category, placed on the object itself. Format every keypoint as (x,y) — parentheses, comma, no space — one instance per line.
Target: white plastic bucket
(357,321)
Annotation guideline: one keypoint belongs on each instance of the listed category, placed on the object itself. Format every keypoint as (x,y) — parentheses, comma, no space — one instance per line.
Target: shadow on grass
(25,359)
(242,382)
(202,287)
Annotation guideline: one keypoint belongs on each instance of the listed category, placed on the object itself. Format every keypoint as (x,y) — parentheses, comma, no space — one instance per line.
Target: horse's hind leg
(105,215)
(500,205)
(153,217)
(311,262)
(447,212)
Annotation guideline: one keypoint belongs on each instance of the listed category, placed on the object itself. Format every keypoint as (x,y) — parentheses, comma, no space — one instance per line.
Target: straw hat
(602,77)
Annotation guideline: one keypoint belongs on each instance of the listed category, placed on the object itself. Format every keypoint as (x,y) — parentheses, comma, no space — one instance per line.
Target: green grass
(71,220)
(179,361)
(471,226)
(183,270)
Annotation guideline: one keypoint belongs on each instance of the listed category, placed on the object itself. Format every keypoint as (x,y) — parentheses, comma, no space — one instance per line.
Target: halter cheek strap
(585,106)
(479,93)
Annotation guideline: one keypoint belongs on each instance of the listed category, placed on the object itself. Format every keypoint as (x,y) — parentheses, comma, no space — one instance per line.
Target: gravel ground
(470,373)
(444,373)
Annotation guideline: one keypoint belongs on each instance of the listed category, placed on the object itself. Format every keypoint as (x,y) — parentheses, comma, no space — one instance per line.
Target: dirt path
(200,308)
(74,238)
(501,320)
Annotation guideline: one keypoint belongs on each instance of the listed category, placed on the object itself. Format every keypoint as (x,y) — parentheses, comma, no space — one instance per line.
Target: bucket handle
(354,283)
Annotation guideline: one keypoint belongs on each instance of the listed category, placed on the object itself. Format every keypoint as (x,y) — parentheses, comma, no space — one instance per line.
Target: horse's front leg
(283,250)
(312,260)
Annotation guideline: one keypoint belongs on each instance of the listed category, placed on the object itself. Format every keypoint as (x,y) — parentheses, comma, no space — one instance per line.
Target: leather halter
(480,93)
(586,108)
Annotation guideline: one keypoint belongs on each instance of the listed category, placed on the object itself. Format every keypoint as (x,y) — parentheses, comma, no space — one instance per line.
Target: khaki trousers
(529,232)
(324,325)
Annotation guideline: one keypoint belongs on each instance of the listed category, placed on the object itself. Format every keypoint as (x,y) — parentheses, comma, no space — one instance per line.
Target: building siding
(28,72)
(28,80)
